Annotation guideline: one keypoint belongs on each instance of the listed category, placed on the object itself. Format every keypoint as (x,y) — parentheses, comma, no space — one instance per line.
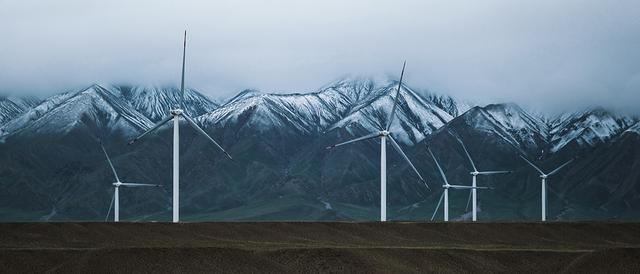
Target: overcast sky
(560,53)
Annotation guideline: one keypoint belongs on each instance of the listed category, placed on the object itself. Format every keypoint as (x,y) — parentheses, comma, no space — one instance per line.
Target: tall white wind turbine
(446,187)
(115,200)
(175,115)
(544,176)
(383,134)
(473,193)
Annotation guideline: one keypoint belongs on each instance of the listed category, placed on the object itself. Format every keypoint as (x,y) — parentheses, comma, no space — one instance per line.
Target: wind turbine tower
(445,188)
(175,115)
(115,200)
(473,196)
(544,176)
(384,134)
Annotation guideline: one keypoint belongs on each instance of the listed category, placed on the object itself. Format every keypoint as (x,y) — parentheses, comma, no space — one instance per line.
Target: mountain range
(52,168)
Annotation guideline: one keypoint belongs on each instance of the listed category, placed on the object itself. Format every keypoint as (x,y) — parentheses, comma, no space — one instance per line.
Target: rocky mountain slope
(52,167)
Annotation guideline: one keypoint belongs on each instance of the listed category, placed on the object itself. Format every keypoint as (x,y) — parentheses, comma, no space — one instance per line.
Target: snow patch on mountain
(415,116)
(155,102)
(511,123)
(94,105)
(11,107)
(300,113)
(587,128)
(634,129)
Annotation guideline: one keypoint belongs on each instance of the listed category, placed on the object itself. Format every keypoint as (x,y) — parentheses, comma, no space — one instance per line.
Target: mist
(550,55)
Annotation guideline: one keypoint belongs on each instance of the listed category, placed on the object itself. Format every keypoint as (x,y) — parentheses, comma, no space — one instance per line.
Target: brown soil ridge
(319,247)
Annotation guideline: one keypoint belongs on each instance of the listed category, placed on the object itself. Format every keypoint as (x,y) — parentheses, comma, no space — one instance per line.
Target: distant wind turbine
(383,134)
(473,193)
(544,183)
(175,115)
(445,192)
(115,200)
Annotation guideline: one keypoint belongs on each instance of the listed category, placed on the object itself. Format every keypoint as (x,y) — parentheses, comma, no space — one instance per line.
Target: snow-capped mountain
(11,107)
(350,103)
(634,129)
(308,113)
(511,123)
(587,128)
(416,117)
(291,159)
(94,107)
(449,104)
(155,102)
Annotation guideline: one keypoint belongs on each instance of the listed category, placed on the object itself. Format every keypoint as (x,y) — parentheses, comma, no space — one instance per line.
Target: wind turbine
(383,134)
(445,193)
(544,183)
(473,193)
(116,189)
(175,115)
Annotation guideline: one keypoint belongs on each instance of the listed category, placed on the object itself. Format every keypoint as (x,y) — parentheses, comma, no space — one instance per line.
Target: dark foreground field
(319,247)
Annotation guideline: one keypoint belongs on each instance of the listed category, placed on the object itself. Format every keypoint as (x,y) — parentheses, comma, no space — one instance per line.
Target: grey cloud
(554,54)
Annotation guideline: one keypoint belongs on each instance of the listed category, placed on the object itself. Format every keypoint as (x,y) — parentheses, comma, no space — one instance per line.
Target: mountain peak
(510,122)
(247,93)
(155,102)
(587,128)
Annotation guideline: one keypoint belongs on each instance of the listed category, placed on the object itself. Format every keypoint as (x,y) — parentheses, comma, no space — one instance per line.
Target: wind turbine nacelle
(117,184)
(544,176)
(176,111)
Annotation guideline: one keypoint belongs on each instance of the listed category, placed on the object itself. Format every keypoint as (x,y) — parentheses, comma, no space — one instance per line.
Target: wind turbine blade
(184,51)
(467,187)
(534,166)
(115,174)
(137,184)
(468,200)
(465,151)
(494,172)
(203,133)
(110,206)
(438,165)
(395,100)
(560,167)
(399,150)
(437,207)
(156,126)
(366,137)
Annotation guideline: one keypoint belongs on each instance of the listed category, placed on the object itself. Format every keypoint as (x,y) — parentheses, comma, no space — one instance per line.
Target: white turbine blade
(560,167)
(397,147)
(534,166)
(110,206)
(437,207)
(494,172)
(468,200)
(115,174)
(438,165)
(137,184)
(156,126)
(184,51)
(467,187)
(203,133)
(465,151)
(395,100)
(366,137)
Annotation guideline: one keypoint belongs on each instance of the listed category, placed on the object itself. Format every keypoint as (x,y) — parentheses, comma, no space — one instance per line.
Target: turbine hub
(543,176)
(176,112)
(117,184)
(474,173)
(384,133)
